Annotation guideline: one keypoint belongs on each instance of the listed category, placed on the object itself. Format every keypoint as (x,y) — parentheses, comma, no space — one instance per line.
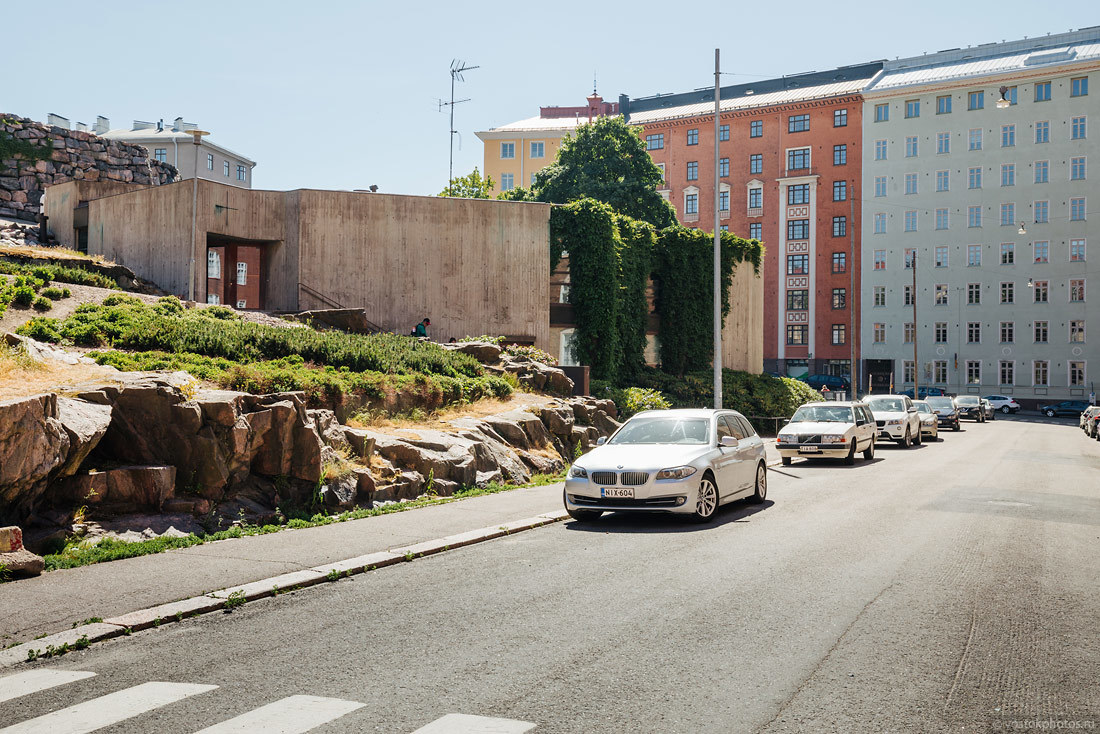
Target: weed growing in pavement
(332,575)
(32,655)
(234,600)
(39,637)
(89,620)
(179,616)
(157,621)
(5,573)
(409,555)
(127,631)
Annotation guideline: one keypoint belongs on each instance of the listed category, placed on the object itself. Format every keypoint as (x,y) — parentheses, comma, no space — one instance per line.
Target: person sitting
(421,329)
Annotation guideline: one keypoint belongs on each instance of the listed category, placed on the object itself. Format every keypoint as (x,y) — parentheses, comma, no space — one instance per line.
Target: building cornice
(808,104)
(1013,77)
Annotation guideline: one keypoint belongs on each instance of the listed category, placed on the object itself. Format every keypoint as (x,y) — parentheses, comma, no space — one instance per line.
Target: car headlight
(578,472)
(784,438)
(929,420)
(678,472)
(894,422)
(835,438)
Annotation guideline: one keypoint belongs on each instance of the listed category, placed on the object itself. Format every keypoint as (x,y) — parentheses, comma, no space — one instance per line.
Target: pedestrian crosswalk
(290,715)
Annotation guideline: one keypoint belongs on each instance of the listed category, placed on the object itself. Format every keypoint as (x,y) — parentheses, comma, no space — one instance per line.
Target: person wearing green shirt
(422,328)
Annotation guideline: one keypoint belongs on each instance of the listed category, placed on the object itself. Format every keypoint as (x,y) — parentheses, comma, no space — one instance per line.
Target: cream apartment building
(991,190)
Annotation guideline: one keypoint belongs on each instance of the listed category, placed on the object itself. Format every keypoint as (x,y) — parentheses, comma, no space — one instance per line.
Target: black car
(947,415)
(832,382)
(970,407)
(1066,407)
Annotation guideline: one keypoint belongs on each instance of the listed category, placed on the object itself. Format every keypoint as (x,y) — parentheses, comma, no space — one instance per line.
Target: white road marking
(33,681)
(110,709)
(466,724)
(291,715)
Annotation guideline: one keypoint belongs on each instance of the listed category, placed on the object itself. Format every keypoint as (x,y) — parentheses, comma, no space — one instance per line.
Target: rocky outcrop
(532,374)
(14,558)
(33,446)
(484,352)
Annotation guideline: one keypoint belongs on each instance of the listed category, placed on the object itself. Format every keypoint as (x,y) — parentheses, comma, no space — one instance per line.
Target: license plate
(618,492)
(809,450)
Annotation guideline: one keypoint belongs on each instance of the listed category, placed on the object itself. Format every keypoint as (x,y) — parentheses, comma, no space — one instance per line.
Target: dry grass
(48,253)
(21,376)
(441,419)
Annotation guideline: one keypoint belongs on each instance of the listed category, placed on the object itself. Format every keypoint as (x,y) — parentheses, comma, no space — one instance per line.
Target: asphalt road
(951,587)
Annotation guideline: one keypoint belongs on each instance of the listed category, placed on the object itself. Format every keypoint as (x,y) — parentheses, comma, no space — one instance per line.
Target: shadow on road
(627,522)
(837,463)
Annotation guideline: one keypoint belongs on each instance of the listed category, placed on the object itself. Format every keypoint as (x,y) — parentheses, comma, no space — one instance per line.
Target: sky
(336,94)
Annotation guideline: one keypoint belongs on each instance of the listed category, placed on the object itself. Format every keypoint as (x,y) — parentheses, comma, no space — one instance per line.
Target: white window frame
(507,150)
(242,273)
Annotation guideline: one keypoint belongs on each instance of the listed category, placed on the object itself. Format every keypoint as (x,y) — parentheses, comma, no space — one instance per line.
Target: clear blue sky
(341,94)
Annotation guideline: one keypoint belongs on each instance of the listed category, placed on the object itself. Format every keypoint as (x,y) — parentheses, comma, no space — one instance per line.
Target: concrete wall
(65,197)
(742,334)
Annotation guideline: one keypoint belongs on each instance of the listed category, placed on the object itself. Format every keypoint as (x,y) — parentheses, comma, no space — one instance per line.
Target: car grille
(634,478)
(604,477)
(808,438)
(880,424)
(624,503)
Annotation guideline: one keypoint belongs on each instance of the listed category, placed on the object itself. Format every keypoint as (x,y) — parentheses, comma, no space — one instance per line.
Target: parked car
(832,382)
(929,421)
(839,429)
(1066,407)
(1004,403)
(678,461)
(1088,413)
(924,392)
(970,407)
(896,418)
(988,412)
(946,411)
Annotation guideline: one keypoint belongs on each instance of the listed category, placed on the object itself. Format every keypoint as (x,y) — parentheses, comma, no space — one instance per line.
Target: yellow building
(515,152)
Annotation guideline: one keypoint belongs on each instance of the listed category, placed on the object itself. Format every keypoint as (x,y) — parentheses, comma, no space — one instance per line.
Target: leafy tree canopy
(470,186)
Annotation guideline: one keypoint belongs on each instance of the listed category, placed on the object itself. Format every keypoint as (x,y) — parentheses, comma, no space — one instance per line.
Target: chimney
(102,124)
(160,125)
(142,125)
(81,127)
(57,120)
(177,124)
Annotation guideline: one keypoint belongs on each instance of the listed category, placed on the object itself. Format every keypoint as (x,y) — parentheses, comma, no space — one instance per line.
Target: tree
(606,160)
(470,186)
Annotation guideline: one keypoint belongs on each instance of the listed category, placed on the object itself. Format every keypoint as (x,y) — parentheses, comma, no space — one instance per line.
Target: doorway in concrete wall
(235,274)
(880,376)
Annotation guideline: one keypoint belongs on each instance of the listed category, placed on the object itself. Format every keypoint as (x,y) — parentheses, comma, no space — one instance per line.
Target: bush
(749,394)
(483,338)
(41,329)
(532,353)
(54,294)
(42,304)
(60,274)
(23,295)
(633,400)
(168,306)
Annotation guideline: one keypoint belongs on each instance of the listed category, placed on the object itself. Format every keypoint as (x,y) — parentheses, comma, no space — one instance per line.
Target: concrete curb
(80,637)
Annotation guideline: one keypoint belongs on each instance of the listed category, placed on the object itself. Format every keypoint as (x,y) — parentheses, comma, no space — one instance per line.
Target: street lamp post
(197,139)
(916,363)
(717,247)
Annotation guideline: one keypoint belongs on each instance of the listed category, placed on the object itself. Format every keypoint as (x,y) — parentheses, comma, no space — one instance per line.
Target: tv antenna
(457,67)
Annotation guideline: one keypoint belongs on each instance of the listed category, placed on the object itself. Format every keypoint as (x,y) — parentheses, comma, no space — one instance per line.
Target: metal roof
(167,135)
(543,123)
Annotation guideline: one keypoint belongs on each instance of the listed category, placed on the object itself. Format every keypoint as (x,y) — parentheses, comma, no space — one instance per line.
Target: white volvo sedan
(830,429)
(680,461)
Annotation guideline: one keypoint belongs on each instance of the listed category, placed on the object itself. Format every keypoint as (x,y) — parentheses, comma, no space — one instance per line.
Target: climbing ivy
(638,240)
(13,148)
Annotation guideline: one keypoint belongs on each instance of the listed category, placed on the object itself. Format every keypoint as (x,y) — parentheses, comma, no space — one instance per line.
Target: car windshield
(923,407)
(883,405)
(663,430)
(823,414)
(941,403)
(967,400)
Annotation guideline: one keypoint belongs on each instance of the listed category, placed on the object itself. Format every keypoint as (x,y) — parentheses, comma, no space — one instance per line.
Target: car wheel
(706,503)
(907,442)
(1005,409)
(761,484)
(786,461)
(919,438)
(869,452)
(1050,413)
(581,515)
(850,459)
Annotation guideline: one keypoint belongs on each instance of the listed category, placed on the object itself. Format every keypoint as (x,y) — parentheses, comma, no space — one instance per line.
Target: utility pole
(916,364)
(457,67)
(853,386)
(717,246)
(197,139)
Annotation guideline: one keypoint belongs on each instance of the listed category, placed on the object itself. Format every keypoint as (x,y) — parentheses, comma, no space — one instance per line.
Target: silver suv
(896,418)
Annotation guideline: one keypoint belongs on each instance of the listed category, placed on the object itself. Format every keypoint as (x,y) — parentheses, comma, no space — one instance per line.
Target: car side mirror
(601,440)
(912,409)
(729,441)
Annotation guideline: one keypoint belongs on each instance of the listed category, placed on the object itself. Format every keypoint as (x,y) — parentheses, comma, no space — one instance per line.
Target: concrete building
(976,161)
(515,152)
(789,175)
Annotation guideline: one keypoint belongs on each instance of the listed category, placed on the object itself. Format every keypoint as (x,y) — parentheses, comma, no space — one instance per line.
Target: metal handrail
(319,295)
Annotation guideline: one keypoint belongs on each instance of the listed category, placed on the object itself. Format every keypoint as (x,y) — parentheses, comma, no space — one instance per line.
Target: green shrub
(532,353)
(54,294)
(483,338)
(60,274)
(169,305)
(42,304)
(221,313)
(23,295)
(41,329)
(633,400)
(122,299)
(751,395)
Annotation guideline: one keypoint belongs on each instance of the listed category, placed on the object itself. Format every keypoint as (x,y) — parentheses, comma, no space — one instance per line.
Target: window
(796,334)
(1008,136)
(1077,169)
(840,118)
(533,176)
(880,150)
(798,300)
(693,136)
(1079,86)
(1077,209)
(798,229)
(974,178)
(1042,252)
(723,167)
(912,108)
(882,112)
(910,183)
(840,263)
(973,256)
(943,143)
(724,227)
(880,259)
(975,101)
(940,332)
(1076,251)
(1008,174)
(242,303)
(975,139)
(1008,214)
(880,186)
(907,295)
(911,147)
(878,333)
(538,149)
(661,166)
(1008,332)
(941,256)
(161,154)
(839,333)
(973,294)
(840,191)
(840,226)
(1077,290)
(943,180)
(974,332)
(908,370)
(693,171)
(879,296)
(213,264)
(756,129)
(910,253)
(756,231)
(1078,128)
(1008,292)
(1041,373)
(1042,91)
(798,123)
(941,294)
(840,297)
(840,155)
(1011,95)
(909,332)
(1041,332)
(507,181)
(798,194)
(723,132)
(1042,212)
(973,372)
(213,298)
(210,161)
(691,204)
(1077,332)
(974,216)
(655,142)
(225,167)
(756,198)
(1042,132)
(939,371)
(724,200)
(756,163)
(798,264)
(943,105)
(880,223)
(242,172)
(1076,373)
(798,158)
(508,150)
(242,273)
(1008,372)
(911,221)
(1042,171)
(1042,291)
(941,219)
